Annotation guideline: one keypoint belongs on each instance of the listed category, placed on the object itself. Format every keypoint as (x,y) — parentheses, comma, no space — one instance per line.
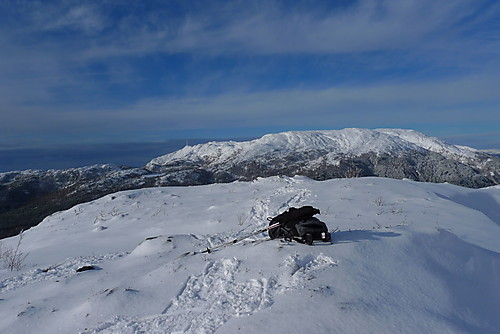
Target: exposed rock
(26,197)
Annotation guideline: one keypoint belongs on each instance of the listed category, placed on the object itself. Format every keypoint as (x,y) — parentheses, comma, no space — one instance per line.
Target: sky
(101,72)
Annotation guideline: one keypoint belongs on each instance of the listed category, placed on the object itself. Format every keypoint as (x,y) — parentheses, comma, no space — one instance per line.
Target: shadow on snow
(361,235)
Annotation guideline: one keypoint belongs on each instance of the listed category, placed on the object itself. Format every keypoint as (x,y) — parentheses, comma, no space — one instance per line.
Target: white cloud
(367,106)
(266,28)
(443,35)
(368,26)
(409,105)
(82,17)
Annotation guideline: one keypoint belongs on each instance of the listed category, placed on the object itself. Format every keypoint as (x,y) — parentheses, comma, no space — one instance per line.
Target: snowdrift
(406,257)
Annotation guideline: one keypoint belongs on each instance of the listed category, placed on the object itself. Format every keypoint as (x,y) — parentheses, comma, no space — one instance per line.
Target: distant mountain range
(26,197)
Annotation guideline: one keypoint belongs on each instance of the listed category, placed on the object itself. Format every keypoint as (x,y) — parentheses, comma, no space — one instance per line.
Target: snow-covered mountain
(321,155)
(407,257)
(27,197)
(349,142)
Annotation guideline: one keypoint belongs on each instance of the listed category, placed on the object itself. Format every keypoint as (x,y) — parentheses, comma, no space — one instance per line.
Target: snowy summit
(406,257)
(27,197)
(353,142)
(322,155)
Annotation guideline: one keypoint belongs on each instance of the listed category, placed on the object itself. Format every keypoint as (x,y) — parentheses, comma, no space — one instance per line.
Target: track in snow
(209,300)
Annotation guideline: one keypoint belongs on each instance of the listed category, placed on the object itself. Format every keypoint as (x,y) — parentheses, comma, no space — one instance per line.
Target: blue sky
(89,72)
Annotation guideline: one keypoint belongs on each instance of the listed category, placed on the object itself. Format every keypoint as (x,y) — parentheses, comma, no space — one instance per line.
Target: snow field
(407,257)
(351,141)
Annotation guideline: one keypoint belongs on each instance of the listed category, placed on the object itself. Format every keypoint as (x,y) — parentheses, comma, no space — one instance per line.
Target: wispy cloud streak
(102,69)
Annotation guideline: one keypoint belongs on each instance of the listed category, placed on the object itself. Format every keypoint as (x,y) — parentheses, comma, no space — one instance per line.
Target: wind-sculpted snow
(406,257)
(55,271)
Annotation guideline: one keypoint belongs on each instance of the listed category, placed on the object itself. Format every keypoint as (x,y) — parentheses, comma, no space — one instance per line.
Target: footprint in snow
(212,298)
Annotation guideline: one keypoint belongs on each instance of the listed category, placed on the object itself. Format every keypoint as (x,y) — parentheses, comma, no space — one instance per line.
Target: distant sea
(125,154)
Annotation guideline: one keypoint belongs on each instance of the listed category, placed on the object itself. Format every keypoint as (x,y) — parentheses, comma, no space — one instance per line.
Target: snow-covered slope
(29,196)
(407,257)
(433,144)
(26,197)
(322,155)
(351,142)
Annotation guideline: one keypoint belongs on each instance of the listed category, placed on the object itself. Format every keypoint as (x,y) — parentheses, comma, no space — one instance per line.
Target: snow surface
(352,142)
(407,257)
(433,144)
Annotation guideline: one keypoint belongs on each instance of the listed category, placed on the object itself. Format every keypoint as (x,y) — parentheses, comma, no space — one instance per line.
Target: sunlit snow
(406,257)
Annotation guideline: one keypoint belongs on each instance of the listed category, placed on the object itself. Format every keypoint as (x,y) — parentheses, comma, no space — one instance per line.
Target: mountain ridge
(26,197)
(350,141)
(332,154)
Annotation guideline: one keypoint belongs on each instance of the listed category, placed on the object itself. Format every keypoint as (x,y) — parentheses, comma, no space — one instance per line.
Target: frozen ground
(407,257)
